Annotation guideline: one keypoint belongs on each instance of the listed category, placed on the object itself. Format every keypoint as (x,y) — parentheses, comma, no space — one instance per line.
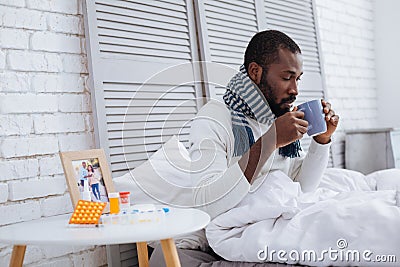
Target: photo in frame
(87,168)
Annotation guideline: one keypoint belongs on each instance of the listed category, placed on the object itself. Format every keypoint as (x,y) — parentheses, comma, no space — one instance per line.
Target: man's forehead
(285,54)
(288,61)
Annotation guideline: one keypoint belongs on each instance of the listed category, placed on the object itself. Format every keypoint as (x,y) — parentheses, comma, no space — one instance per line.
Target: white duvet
(345,222)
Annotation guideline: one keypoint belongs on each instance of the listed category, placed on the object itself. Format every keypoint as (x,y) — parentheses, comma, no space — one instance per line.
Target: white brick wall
(5,256)
(56,205)
(14,82)
(64,23)
(13,147)
(32,254)
(347,43)
(76,142)
(55,42)
(23,18)
(59,123)
(28,103)
(387,20)
(3,192)
(74,103)
(16,125)
(14,38)
(18,169)
(14,212)
(56,251)
(2,60)
(58,262)
(20,190)
(55,6)
(34,61)
(44,109)
(50,165)
(94,257)
(74,63)
(67,83)
(19,3)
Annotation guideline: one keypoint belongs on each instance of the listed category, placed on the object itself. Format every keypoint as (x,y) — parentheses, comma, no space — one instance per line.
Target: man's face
(83,164)
(279,82)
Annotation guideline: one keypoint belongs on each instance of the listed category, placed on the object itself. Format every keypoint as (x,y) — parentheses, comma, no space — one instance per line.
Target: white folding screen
(142,77)
(296,18)
(226,27)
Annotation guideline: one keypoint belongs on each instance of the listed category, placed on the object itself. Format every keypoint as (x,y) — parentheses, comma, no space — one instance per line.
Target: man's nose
(293,89)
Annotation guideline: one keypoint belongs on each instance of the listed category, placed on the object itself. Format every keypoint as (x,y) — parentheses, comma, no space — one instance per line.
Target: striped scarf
(245,100)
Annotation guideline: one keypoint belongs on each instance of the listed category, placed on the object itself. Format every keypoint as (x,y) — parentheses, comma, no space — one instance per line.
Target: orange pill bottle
(114,202)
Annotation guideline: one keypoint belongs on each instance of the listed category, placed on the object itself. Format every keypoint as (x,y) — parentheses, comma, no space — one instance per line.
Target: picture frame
(88,167)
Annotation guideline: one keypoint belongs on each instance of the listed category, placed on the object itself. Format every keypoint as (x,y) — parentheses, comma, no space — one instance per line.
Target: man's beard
(267,91)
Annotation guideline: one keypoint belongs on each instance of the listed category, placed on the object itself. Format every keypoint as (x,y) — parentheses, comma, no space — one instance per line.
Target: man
(83,174)
(234,144)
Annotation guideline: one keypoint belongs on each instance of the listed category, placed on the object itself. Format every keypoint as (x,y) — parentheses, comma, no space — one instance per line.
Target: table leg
(143,254)
(170,253)
(17,256)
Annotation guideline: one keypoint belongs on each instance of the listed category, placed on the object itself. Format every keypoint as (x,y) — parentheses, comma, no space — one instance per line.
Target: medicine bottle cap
(113,195)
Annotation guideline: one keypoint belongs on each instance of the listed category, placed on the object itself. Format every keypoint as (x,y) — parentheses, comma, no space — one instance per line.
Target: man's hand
(285,130)
(290,127)
(332,121)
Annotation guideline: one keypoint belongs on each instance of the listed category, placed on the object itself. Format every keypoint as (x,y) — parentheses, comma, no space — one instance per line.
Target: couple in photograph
(87,173)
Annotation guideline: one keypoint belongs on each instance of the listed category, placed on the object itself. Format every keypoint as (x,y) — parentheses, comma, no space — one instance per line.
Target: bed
(156,180)
(197,258)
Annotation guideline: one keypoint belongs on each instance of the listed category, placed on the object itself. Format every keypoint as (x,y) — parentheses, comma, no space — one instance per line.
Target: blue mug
(314,114)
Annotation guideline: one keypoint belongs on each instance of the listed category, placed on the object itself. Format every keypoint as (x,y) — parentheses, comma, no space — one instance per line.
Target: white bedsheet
(346,208)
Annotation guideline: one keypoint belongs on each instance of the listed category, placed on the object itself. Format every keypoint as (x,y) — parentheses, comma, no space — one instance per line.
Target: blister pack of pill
(87,212)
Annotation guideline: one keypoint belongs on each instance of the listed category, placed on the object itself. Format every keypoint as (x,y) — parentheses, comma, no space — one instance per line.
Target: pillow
(386,179)
(163,179)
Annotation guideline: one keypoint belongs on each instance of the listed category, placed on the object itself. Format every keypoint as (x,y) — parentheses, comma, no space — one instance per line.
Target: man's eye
(286,78)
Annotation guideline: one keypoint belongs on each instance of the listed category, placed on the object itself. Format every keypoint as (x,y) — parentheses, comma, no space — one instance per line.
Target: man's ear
(255,72)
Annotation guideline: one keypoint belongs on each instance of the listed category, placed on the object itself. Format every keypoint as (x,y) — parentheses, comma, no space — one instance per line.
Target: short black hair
(263,48)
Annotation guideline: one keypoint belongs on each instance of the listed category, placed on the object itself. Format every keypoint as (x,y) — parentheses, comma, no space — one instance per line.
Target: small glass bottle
(114,202)
(125,200)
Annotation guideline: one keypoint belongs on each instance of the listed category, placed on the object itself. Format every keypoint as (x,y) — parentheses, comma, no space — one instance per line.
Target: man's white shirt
(219,181)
